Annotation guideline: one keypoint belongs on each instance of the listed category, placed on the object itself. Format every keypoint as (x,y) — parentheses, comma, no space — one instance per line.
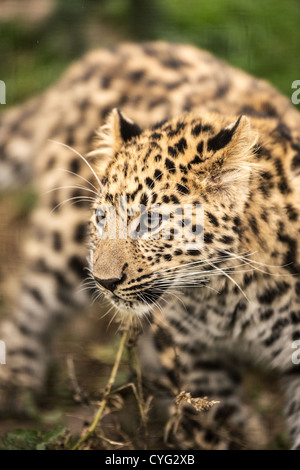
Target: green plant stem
(107,391)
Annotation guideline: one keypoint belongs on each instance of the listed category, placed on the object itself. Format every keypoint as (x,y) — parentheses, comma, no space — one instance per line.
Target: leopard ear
(232,158)
(125,129)
(117,130)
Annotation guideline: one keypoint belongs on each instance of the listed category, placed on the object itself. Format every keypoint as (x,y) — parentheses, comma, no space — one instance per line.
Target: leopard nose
(109,284)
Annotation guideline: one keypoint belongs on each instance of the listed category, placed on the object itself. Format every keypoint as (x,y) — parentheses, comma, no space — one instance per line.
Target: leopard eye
(99,218)
(100,222)
(154,220)
(149,222)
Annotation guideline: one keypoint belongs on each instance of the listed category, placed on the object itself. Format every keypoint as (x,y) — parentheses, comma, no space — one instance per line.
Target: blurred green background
(38,38)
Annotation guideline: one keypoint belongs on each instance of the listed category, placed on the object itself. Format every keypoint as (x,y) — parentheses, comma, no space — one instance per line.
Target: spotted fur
(198,132)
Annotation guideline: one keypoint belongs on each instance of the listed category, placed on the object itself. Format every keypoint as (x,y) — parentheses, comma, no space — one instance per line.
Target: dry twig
(200,404)
(107,391)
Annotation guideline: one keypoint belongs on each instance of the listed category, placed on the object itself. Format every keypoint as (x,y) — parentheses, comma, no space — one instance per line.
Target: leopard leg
(49,293)
(194,368)
(207,374)
(291,385)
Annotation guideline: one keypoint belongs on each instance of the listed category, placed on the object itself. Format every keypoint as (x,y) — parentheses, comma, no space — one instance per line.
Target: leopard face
(192,165)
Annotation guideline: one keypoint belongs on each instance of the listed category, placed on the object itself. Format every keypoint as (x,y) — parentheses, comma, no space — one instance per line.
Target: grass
(261,37)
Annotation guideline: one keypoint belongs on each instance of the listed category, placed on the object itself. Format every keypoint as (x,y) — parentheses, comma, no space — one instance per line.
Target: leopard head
(168,216)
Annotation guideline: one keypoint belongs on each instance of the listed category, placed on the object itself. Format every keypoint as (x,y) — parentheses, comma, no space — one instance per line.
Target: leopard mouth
(138,299)
(130,307)
(138,302)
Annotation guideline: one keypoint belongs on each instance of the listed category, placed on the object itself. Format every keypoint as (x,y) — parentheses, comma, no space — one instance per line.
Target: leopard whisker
(171,293)
(77,198)
(82,157)
(151,307)
(113,317)
(141,297)
(193,263)
(179,274)
(72,187)
(86,288)
(232,280)
(255,268)
(106,313)
(79,176)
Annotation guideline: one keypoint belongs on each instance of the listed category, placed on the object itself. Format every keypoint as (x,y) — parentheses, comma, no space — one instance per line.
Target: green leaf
(41,447)
(25,439)
(20,439)
(54,434)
